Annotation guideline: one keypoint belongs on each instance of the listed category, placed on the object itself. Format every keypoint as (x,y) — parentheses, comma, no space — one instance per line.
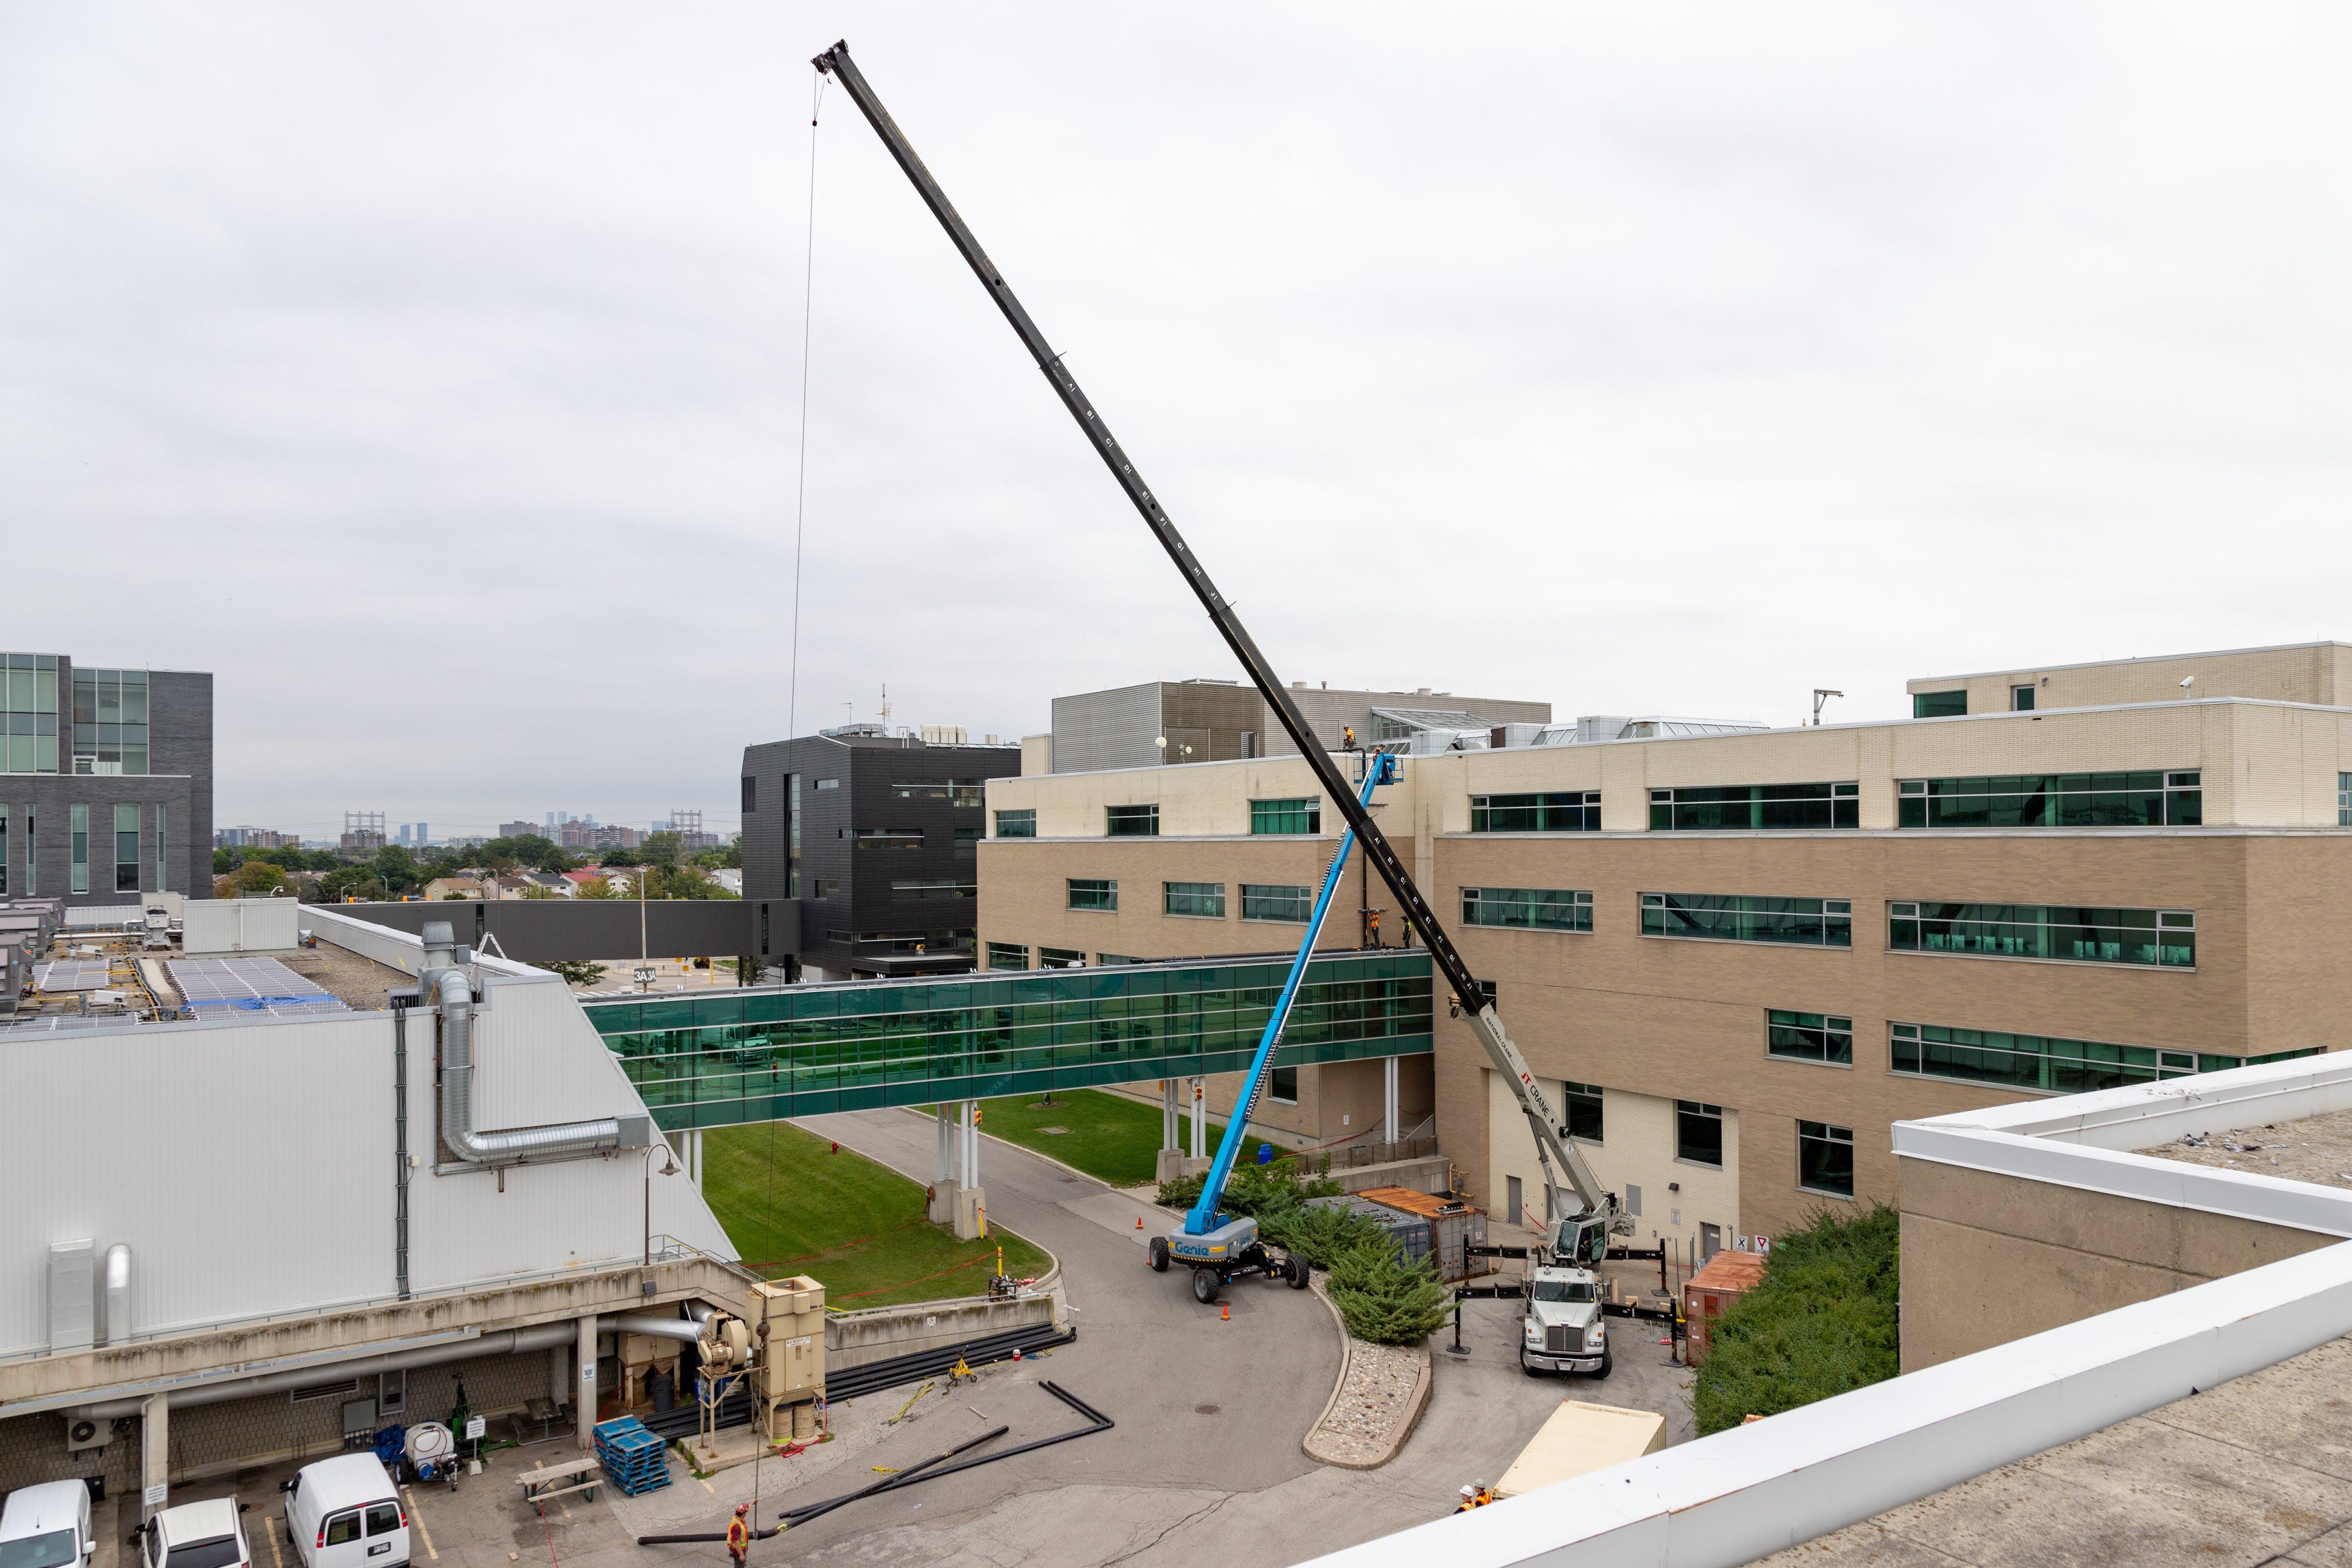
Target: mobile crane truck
(1575,1238)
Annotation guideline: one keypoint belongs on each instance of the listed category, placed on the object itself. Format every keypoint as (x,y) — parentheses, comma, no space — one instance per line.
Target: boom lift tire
(1298,1272)
(1158,1252)
(1205,1285)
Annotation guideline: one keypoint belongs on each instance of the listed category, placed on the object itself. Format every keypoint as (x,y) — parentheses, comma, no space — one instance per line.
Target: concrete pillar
(1168,1113)
(1199,1119)
(154,1455)
(940,1178)
(558,1376)
(694,1160)
(583,1392)
(1389,1098)
(942,1207)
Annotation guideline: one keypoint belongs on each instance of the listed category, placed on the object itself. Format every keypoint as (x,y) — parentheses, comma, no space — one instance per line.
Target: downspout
(442,981)
(400,1146)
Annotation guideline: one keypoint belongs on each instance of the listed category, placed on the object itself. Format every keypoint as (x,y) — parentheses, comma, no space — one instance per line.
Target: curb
(1415,1402)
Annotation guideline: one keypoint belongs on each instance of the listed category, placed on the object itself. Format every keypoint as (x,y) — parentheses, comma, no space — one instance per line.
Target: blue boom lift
(1220,1249)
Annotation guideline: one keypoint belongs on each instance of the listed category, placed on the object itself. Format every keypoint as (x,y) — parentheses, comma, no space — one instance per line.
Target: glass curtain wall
(2045,1064)
(761,1055)
(2155,799)
(109,722)
(2160,938)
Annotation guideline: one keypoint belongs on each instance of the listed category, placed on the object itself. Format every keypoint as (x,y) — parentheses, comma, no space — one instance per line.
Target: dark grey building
(860,852)
(105,784)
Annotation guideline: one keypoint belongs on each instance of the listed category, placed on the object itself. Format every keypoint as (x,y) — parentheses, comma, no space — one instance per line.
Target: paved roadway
(1176,1483)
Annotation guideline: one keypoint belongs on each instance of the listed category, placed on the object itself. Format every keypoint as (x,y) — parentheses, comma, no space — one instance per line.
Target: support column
(558,1376)
(154,1455)
(1170,1163)
(1199,1118)
(970,1200)
(583,1391)
(1389,1100)
(942,1207)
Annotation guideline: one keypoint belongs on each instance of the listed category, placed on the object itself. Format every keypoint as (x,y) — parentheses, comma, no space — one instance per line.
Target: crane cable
(793,678)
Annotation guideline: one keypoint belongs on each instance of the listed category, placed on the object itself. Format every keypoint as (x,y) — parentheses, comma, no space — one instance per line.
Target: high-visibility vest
(739,1535)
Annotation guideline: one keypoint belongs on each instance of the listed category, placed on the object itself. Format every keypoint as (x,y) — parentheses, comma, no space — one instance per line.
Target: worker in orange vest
(1476,1494)
(739,1534)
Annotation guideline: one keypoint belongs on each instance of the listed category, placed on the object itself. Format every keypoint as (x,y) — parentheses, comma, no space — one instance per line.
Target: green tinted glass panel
(2045,1063)
(2154,798)
(1301,815)
(1755,807)
(1530,909)
(1016,823)
(2158,937)
(1568,811)
(1939,704)
(1735,917)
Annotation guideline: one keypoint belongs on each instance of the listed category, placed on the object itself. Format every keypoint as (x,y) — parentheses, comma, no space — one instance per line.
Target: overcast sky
(430,374)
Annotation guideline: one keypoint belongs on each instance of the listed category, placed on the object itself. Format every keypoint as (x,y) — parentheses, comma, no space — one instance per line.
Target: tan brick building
(1751,953)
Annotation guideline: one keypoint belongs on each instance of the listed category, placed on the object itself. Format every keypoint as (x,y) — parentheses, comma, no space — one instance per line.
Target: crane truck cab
(1563,1329)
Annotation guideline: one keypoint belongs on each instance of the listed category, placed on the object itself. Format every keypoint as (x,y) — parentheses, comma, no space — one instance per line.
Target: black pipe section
(987,1350)
(792,1516)
(814,1508)
(1096,1422)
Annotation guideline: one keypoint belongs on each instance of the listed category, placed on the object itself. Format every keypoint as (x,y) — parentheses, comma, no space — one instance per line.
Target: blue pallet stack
(634,1459)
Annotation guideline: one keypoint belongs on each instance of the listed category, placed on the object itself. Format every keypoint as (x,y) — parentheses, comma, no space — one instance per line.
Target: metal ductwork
(116,1326)
(443,979)
(684,1329)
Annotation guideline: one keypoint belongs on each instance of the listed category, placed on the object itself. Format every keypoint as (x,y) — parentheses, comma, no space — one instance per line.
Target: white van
(345,1513)
(46,1526)
(197,1535)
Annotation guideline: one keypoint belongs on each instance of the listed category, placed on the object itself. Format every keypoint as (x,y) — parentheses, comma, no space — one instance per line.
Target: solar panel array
(70,974)
(219,987)
(61,1023)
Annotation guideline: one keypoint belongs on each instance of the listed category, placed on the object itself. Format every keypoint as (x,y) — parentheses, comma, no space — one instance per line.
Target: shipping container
(1454,1227)
(1720,1282)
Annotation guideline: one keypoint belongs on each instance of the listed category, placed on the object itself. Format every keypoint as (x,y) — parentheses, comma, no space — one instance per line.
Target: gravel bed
(1368,1420)
(2315,1149)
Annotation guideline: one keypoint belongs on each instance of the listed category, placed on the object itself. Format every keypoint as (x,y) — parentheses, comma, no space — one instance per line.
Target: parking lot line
(275,1555)
(416,1516)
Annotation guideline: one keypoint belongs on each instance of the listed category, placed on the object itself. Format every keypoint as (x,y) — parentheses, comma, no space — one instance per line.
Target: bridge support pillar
(942,1207)
(1199,1087)
(1389,1127)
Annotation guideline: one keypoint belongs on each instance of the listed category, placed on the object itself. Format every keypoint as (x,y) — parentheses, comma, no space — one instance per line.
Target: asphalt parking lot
(1204,1461)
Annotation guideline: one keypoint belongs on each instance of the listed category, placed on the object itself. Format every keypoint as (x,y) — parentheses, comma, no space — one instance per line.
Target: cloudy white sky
(431,372)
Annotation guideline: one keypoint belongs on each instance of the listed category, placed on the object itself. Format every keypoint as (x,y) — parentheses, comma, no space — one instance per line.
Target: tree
(1386,1299)
(597,888)
(661,850)
(729,857)
(224,862)
(575,971)
(620,858)
(395,868)
(255,878)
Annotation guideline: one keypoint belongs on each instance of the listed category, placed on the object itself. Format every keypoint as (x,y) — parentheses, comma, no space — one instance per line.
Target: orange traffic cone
(1225,1312)
(1138,1221)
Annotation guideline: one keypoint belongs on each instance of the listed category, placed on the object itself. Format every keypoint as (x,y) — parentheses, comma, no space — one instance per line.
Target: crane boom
(1551,1148)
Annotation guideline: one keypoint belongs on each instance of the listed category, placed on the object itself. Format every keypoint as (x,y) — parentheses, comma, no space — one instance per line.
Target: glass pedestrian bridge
(765,1053)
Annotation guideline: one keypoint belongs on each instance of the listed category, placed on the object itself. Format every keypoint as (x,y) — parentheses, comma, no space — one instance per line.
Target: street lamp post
(669,1168)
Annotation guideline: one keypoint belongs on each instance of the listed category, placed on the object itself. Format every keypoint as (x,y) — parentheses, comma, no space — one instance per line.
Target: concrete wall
(2303,672)
(529,929)
(1989,1257)
(878,1333)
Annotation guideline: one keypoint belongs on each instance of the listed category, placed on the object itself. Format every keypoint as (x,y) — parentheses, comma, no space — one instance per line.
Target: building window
(2344,800)
(1008,955)
(2040,1062)
(2152,799)
(1747,807)
(1808,1036)
(1133,821)
(1268,901)
(792,835)
(965,838)
(78,840)
(161,859)
(1282,1085)
(4,851)
(888,838)
(1582,1109)
(1825,1158)
(1061,958)
(1568,811)
(1115,960)
(750,794)
(1302,814)
(825,887)
(1205,899)
(1094,893)
(963,793)
(28,726)
(1939,704)
(1016,823)
(935,888)
(1530,909)
(110,720)
(1733,917)
(1699,1132)
(828,784)
(2021,699)
(2164,938)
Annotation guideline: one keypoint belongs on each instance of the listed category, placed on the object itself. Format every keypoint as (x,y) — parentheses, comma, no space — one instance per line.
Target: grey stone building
(860,852)
(105,784)
(1208,721)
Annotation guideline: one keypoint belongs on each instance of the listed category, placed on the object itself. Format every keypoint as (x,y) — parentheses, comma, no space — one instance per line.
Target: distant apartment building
(250,838)
(581,834)
(106,786)
(1207,720)
(859,851)
(517,829)
(1735,959)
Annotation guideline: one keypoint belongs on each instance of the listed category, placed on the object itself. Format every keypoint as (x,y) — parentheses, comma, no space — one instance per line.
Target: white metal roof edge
(2137,659)
(1743,1494)
(396,949)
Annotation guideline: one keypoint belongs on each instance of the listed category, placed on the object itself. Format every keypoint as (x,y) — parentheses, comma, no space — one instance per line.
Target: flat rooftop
(2315,1149)
(2257,1470)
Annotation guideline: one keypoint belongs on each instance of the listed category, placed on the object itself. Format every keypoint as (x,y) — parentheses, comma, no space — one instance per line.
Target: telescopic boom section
(1550,1146)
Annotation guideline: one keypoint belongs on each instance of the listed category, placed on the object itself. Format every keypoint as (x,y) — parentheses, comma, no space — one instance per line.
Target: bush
(1386,1299)
(1822,1321)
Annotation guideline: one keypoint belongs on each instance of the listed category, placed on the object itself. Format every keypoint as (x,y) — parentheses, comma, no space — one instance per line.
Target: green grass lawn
(1112,1139)
(792,1206)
